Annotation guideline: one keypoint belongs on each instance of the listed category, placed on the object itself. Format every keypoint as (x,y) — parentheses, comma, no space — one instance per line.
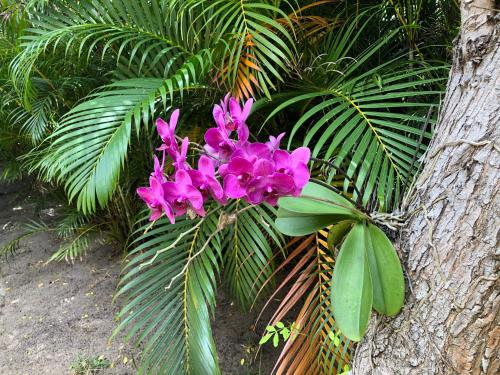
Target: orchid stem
(178,239)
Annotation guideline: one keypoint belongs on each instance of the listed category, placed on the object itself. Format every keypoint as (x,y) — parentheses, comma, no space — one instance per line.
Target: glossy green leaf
(352,292)
(316,208)
(293,224)
(338,232)
(386,273)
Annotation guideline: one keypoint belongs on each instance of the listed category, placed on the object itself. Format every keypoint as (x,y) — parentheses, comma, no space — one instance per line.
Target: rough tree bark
(450,323)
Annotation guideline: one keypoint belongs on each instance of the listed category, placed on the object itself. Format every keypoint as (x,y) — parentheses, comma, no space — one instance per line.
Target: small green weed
(83,365)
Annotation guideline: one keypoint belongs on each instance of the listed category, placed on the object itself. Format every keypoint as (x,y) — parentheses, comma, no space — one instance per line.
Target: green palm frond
(29,229)
(249,245)
(74,249)
(90,145)
(137,30)
(169,285)
(368,122)
(35,122)
(257,49)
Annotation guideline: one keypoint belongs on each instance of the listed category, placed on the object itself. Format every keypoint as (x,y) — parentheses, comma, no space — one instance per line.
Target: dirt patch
(51,313)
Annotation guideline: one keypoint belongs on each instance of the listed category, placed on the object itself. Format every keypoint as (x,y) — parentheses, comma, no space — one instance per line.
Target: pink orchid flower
(166,130)
(241,172)
(182,195)
(252,151)
(179,158)
(238,114)
(154,198)
(158,169)
(239,117)
(219,144)
(204,180)
(221,115)
(256,172)
(270,188)
(274,142)
(294,165)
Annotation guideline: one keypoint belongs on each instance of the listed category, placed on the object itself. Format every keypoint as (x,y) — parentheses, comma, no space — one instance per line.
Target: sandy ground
(51,313)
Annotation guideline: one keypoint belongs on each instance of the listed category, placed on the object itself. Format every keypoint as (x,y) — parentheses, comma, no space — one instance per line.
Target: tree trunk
(450,322)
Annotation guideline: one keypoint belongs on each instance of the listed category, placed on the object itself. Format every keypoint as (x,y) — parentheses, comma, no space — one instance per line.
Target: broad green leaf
(338,232)
(352,292)
(294,224)
(386,273)
(316,208)
(319,191)
(313,205)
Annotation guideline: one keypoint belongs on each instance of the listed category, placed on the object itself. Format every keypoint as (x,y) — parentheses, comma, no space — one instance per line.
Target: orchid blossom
(155,200)
(182,195)
(253,171)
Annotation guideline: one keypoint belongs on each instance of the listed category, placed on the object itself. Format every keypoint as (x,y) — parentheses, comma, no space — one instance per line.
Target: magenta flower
(182,195)
(294,165)
(239,115)
(158,169)
(166,130)
(204,180)
(155,200)
(274,142)
(221,115)
(256,172)
(270,188)
(252,151)
(179,158)
(219,144)
(239,174)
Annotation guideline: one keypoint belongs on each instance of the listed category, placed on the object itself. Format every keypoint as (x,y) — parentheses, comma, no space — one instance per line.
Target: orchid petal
(234,108)
(263,167)
(219,116)
(184,148)
(155,214)
(282,159)
(232,187)
(243,132)
(194,196)
(213,138)
(239,166)
(146,194)
(301,155)
(246,110)
(206,166)
(173,121)
(170,191)
(169,212)
(182,178)
(301,175)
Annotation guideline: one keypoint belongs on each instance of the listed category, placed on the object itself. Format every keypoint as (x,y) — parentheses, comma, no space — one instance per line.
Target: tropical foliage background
(82,81)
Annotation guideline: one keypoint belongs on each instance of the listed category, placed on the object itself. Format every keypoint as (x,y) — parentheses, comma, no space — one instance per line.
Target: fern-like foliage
(372,123)
(169,286)
(315,346)
(257,49)
(29,229)
(90,144)
(120,28)
(249,244)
